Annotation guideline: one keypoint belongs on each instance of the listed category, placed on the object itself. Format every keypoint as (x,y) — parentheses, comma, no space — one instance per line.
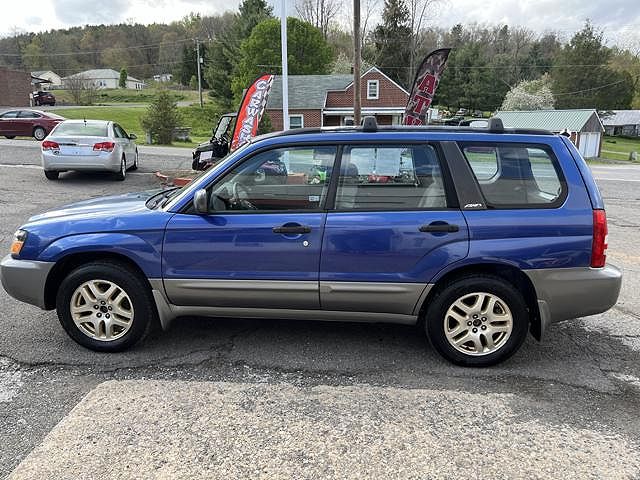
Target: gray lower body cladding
(25,280)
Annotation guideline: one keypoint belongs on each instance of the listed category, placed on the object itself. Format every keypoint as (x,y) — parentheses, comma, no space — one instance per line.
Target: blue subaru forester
(476,235)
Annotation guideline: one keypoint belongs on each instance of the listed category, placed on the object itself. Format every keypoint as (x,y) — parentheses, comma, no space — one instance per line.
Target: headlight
(18,241)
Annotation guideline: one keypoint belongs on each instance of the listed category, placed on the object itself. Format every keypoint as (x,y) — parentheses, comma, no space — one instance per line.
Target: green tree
(122,81)
(308,52)
(161,118)
(582,77)
(391,39)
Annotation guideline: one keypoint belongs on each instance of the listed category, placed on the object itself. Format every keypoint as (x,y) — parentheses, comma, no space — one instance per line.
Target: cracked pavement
(566,407)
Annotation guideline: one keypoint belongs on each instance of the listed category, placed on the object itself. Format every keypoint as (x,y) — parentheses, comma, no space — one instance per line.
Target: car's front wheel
(135,162)
(51,174)
(39,133)
(122,174)
(105,306)
(477,321)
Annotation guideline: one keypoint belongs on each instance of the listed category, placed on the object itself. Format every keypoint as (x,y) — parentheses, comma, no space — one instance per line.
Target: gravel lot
(218,398)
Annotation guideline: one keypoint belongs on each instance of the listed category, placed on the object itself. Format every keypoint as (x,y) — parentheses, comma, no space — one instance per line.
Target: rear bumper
(25,280)
(104,162)
(565,293)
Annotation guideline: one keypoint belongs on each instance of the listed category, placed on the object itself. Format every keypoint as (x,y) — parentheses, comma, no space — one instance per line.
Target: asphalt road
(214,398)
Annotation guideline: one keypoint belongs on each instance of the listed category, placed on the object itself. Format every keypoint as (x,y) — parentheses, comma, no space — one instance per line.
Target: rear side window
(390,177)
(28,114)
(516,175)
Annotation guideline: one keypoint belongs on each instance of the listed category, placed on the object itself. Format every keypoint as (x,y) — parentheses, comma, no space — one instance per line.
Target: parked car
(462,112)
(89,145)
(44,98)
(28,123)
(478,237)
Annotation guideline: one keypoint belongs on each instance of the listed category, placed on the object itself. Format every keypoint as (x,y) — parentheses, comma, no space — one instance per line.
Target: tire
(135,162)
(130,304)
(10,137)
(122,174)
(39,133)
(491,338)
(51,174)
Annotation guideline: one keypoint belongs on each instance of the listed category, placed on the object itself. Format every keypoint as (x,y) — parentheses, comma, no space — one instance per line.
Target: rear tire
(117,291)
(122,174)
(477,321)
(39,133)
(51,174)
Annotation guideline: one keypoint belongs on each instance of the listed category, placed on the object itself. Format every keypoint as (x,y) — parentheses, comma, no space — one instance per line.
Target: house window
(373,89)
(296,121)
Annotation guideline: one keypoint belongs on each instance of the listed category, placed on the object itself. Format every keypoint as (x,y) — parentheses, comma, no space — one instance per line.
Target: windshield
(83,129)
(223,126)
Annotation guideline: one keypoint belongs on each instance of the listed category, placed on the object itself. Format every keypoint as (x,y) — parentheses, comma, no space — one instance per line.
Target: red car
(28,123)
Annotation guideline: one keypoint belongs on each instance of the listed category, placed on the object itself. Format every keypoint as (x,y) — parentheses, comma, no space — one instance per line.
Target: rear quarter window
(516,175)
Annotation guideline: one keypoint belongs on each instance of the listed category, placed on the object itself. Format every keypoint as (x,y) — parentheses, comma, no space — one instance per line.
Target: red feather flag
(251,110)
(424,87)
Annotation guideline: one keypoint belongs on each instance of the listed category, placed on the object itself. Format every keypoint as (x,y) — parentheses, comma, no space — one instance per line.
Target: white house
(55,80)
(106,78)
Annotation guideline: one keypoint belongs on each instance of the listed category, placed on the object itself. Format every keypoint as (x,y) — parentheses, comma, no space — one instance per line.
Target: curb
(178,181)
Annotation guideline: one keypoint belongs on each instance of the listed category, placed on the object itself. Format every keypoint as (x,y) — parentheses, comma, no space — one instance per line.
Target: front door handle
(292,229)
(439,227)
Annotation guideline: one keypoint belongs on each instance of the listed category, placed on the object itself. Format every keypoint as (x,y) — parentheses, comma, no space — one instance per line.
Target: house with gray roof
(105,78)
(327,100)
(583,126)
(624,123)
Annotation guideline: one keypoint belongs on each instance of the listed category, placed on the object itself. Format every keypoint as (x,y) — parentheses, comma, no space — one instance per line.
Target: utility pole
(285,67)
(199,73)
(357,102)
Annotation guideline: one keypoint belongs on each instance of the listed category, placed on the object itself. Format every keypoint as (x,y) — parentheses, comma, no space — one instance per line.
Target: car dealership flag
(424,87)
(251,109)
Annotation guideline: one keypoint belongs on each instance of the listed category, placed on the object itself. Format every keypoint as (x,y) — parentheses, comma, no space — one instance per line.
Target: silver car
(89,145)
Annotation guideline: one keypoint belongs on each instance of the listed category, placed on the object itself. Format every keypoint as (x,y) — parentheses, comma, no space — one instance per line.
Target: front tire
(39,133)
(135,162)
(105,306)
(10,137)
(51,174)
(477,321)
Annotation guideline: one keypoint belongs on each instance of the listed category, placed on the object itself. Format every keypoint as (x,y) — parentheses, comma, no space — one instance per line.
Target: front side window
(12,114)
(516,175)
(292,178)
(390,177)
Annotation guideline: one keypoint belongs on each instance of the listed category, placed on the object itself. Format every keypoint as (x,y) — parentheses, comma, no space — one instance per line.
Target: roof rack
(369,125)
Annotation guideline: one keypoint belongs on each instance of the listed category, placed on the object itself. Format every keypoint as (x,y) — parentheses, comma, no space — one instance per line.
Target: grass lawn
(122,95)
(618,148)
(200,120)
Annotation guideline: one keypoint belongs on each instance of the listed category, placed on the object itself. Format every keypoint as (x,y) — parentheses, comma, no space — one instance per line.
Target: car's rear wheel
(9,136)
(477,321)
(39,133)
(105,306)
(135,161)
(51,174)
(122,174)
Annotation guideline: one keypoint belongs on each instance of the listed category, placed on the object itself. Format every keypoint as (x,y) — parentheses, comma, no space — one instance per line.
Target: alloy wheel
(478,323)
(102,310)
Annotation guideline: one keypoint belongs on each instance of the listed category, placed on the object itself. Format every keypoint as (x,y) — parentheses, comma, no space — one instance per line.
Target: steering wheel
(240,197)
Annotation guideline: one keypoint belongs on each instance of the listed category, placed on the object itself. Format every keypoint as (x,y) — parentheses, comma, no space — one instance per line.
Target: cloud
(81,12)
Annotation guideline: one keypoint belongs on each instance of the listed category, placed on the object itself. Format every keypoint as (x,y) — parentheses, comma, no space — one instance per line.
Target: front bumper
(565,293)
(25,280)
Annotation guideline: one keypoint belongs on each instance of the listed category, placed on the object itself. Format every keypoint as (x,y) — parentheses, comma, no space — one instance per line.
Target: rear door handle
(439,227)
(292,229)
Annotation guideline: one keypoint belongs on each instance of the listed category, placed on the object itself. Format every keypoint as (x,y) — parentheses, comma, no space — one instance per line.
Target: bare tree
(319,13)
(81,89)
(419,12)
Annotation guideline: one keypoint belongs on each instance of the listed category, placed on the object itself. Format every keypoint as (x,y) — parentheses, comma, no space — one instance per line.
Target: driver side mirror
(200,202)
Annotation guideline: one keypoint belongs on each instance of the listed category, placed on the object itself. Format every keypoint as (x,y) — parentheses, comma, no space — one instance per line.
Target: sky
(620,19)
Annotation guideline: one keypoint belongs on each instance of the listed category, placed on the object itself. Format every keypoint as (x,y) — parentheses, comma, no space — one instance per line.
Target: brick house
(15,87)
(327,100)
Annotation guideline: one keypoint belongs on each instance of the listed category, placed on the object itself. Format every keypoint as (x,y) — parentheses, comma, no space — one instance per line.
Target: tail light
(599,246)
(104,147)
(49,145)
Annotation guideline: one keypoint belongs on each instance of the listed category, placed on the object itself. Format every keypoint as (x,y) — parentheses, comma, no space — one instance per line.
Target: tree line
(490,66)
